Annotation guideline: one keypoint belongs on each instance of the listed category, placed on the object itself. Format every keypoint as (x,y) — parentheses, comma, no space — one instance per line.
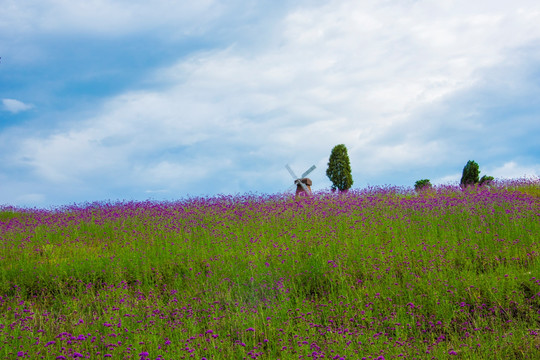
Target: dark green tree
(339,169)
(423,184)
(470,174)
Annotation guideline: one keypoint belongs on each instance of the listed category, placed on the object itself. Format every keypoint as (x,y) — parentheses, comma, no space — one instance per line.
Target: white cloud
(452,179)
(512,170)
(31,199)
(345,72)
(158,191)
(15,106)
(104,17)
(173,174)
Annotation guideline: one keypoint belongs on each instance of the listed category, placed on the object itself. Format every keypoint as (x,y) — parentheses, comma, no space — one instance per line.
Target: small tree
(486,180)
(339,169)
(470,174)
(423,184)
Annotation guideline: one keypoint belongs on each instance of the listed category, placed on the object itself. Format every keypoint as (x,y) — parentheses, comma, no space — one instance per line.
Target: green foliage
(339,168)
(224,278)
(8,215)
(470,174)
(422,185)
(486,180)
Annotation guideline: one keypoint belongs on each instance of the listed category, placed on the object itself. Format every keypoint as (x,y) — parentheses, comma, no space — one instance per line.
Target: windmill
(302,183)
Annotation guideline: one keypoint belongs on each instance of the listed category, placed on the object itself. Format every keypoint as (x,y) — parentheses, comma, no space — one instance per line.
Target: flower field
(378,273)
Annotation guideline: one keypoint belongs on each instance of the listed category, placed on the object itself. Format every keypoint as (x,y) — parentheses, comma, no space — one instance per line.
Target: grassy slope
(374,273)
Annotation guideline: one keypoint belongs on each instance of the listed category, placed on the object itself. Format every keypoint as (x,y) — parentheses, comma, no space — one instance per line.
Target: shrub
(423,184)
(486,180)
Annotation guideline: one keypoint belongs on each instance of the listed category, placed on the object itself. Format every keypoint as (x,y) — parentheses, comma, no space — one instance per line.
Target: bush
(486,180)
(423,184)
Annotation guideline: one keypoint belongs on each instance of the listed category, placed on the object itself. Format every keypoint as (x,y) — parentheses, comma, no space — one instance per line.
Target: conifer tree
(470,174)
(339,169)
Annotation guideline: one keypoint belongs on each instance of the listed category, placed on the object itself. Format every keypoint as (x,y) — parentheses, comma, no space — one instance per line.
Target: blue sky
(132,100)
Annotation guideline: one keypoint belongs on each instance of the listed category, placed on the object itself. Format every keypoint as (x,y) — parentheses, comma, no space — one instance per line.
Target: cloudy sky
(133,100)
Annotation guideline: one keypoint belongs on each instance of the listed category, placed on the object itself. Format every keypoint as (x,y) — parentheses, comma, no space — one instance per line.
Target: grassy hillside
(379,273)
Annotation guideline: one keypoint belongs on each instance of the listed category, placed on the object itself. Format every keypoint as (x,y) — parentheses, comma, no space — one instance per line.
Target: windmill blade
(304,186)
(308,171)
(291,172)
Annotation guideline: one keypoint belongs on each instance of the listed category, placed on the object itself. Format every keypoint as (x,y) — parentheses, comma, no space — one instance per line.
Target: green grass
(377,273)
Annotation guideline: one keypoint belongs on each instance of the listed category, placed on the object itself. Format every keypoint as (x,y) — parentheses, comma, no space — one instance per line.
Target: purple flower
(20,354)
(60,357)
(250,329)
(76,355)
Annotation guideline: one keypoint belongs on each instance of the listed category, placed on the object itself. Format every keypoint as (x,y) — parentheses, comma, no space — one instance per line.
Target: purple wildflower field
(377,273)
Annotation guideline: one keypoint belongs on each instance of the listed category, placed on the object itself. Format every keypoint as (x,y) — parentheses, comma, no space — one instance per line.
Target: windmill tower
(302,183)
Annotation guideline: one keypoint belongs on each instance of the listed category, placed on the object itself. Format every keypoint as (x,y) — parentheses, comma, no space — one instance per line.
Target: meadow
(375,273)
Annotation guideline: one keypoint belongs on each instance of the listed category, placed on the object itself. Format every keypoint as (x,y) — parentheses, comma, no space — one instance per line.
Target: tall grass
(379,273)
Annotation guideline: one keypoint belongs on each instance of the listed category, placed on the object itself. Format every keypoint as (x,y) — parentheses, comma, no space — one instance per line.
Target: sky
(121,100)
